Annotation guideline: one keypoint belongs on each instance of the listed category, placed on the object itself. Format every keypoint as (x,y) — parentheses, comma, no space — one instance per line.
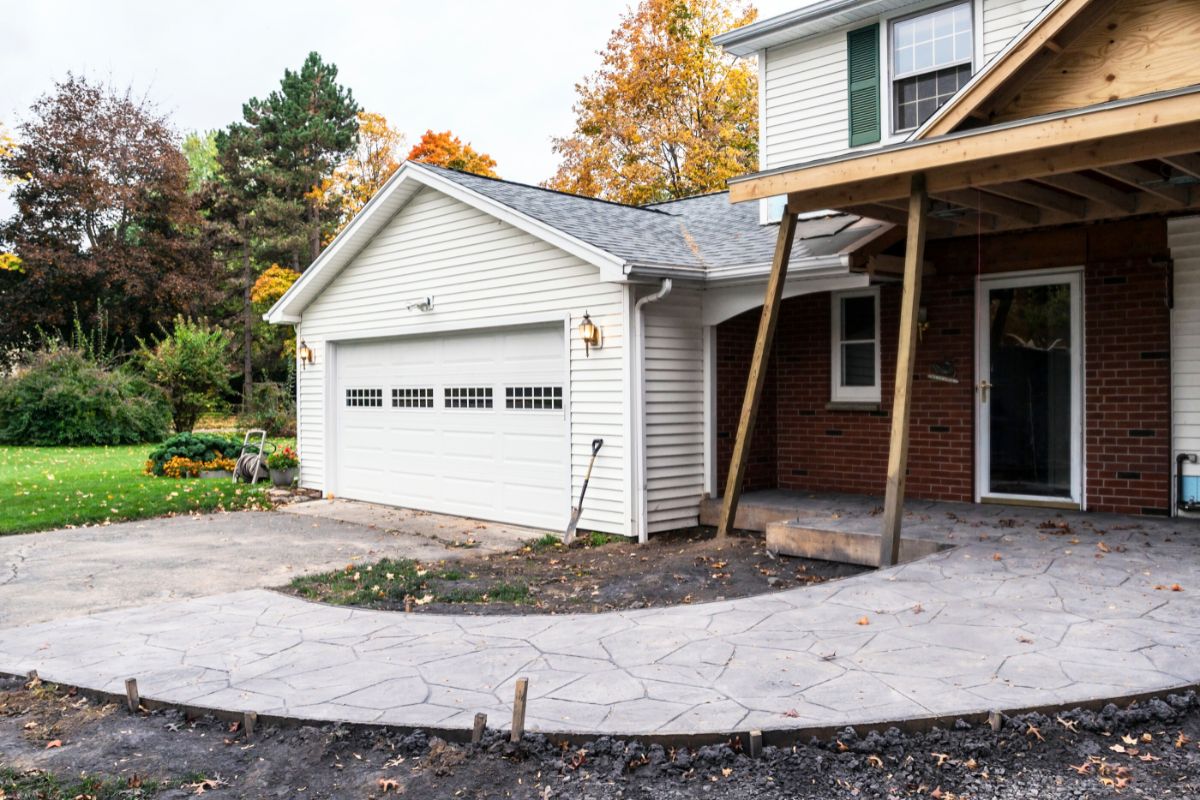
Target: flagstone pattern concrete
(1022,613)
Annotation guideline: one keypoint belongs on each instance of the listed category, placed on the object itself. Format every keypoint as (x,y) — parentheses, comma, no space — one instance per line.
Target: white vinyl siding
(1003,20)
(480,272)
(674,359)
(805,83)
(1183,237)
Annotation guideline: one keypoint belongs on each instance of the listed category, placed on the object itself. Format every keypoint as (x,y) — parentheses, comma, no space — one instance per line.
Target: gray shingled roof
(692,235)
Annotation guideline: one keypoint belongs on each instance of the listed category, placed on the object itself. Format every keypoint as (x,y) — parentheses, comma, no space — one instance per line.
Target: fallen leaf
(942,758)
(726,771)
(389,785)
(875,761)
(1102,547)
(1175,587)
(1127,739)
(997,557)
(1082,769)
(1181,739)
(53,743)
(1032,730)
(791,712)
(863,621)
(1117,748)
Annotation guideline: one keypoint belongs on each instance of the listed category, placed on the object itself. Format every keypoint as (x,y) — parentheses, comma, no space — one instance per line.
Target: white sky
(499,74)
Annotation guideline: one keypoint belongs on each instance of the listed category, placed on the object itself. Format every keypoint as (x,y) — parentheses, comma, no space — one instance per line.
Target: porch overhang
(1118,159)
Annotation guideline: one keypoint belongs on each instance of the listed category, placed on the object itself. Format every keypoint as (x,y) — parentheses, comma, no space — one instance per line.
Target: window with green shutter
(862,56)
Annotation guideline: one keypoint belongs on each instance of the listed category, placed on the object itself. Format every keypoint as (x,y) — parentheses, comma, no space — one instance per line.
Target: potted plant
(283,464)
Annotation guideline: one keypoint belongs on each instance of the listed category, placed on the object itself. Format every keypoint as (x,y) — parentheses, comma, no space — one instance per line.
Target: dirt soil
(594,574)
(1148,750)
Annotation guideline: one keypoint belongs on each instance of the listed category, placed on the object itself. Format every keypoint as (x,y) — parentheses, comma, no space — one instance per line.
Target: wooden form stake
(995,720)
(132,698)
(249,721)
(756,744)
(758,373)
(914,258)
(480,727)
(518,723)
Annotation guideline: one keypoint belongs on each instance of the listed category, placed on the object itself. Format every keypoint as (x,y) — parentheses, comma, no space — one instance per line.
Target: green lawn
(53,487)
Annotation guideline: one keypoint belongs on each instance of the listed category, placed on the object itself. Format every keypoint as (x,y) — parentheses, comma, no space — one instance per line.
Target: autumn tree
(447,150)
(103,217)
(378,154)
(305,129)
(668,114)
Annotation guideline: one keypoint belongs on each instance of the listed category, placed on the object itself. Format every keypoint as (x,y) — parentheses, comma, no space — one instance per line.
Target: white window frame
(851,394)
(888,86)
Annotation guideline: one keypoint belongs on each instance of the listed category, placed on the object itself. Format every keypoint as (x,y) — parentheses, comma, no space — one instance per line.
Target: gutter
(639,407)
(742,41)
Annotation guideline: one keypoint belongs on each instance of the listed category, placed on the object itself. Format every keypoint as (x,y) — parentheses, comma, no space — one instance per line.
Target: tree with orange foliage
(447,150)
(668,114)
(356,180)
(271,284)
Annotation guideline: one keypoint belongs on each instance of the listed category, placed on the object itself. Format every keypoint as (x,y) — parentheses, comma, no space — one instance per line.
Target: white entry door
(472,424)
(1028,393)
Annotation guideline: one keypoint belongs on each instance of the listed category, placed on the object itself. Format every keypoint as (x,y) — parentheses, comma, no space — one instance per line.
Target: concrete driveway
(67,573)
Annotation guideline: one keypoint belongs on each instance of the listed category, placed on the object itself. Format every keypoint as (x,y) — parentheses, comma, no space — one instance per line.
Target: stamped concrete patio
(1031,608)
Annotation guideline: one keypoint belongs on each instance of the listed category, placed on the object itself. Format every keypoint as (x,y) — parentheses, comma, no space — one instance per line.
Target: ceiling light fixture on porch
(590,333)
(305,354)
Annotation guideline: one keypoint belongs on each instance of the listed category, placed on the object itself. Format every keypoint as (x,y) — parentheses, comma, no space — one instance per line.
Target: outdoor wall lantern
(590,333)
(305,354)
(922,322)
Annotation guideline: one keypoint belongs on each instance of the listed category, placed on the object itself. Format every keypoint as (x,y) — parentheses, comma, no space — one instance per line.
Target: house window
(533,397)
(855,350)
(412,398)
(468,396)
(932,55)
(364,398)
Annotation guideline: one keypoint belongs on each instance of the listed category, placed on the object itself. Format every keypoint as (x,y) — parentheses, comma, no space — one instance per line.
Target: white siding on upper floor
(674,358)
(1183,237)
(804,83)
(1003,20)
(481,272)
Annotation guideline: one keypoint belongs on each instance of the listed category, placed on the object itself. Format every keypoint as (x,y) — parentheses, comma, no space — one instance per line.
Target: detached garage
(449,372)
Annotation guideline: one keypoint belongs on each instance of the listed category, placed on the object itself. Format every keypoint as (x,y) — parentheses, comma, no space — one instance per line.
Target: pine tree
(306,128)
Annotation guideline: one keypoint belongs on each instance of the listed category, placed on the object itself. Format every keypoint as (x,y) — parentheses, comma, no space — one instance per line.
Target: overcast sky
(499,74)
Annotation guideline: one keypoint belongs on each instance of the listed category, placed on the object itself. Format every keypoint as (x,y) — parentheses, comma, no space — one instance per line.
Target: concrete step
(795,537)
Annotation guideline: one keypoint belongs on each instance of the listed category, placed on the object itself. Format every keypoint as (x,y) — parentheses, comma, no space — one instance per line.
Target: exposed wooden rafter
(1145,180)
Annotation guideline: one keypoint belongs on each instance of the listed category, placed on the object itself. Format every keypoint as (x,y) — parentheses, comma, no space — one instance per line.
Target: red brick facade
(804,443)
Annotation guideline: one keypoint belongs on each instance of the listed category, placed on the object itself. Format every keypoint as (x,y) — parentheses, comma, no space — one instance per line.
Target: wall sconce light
(590,333)
(305,354)
(922,322)
(421,305)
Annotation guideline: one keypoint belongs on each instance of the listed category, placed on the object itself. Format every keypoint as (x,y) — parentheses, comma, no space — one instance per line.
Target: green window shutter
(862,59)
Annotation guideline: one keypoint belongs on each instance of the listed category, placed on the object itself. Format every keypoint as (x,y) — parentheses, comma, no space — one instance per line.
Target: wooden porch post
(914,259)
(758,372)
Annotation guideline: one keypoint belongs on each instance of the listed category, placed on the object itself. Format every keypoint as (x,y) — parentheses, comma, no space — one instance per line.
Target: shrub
(191,365)
(284,458)
(274,410)
(204,450)
(60,397)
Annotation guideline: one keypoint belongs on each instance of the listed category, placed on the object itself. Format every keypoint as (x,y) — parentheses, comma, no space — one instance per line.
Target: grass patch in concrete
(42,488)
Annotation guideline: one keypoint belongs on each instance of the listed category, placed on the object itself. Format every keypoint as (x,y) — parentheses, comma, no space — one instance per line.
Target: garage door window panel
(535,398)
(468,396)
(419,397)
(364,398)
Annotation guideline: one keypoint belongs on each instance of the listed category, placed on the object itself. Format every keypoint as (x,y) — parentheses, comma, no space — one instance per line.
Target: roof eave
(749,39)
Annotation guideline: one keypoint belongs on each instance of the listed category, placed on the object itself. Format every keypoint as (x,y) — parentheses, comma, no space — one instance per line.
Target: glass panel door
(1028,393)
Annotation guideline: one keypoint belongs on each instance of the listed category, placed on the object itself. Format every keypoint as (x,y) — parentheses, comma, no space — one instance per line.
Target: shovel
(576,511)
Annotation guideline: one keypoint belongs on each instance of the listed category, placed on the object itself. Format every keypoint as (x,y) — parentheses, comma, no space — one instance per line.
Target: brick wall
(805,444)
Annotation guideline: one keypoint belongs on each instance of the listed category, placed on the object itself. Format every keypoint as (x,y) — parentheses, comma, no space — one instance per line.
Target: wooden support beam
(1042,197)
(910,301)
(758,373)
(1188,163)
(981,202)
(937,227)
(1148,181)
(1092,189)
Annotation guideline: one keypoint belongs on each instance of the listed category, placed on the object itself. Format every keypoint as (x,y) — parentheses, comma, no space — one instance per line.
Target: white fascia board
(345,244)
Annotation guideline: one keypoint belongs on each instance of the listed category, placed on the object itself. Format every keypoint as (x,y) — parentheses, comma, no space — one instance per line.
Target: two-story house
(1011,179)
(1029,333)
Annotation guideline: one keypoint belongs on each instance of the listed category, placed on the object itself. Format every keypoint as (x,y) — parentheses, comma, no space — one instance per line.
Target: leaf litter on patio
(1145,750)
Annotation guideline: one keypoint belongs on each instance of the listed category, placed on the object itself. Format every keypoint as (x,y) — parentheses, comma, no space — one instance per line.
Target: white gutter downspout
(639,408)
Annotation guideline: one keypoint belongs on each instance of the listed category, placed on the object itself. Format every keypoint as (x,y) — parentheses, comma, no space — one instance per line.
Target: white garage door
(469,424)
